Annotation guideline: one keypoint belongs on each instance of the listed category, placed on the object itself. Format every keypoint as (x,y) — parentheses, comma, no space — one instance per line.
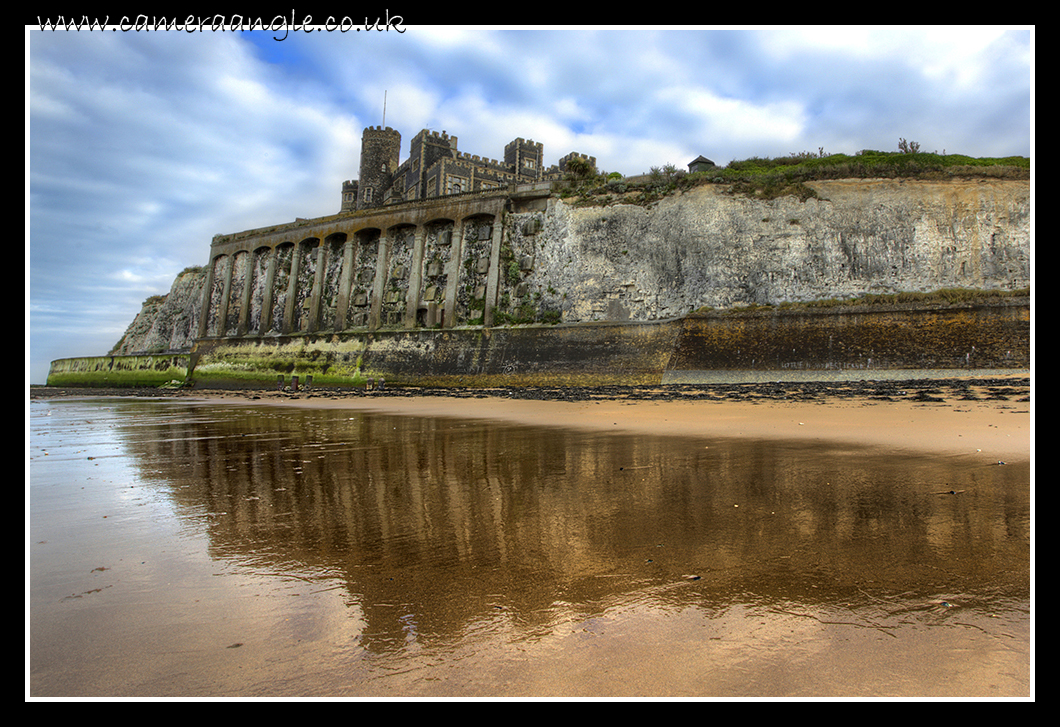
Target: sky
(141,145)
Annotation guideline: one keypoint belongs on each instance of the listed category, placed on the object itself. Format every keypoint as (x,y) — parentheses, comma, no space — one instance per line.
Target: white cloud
(736,119)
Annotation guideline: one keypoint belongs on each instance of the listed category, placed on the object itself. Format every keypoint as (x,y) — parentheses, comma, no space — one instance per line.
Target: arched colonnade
(429,265)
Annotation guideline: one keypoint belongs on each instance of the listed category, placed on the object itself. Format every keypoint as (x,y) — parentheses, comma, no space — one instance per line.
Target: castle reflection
(433,525)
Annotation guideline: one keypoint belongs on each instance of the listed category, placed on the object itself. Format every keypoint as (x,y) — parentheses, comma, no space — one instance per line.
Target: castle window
(368,194)
(455,185)
(528,163)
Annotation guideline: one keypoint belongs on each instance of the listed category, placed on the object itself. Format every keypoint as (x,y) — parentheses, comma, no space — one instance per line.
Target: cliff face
(705,248)
(166,323)
(702,249)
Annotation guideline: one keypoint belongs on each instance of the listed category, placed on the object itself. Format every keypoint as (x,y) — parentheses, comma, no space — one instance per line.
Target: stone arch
(236,284)
(303,271)
(282,253)
(259,283)
(436,270)
(475,257)
(332,277)
(397,271)
(363,296)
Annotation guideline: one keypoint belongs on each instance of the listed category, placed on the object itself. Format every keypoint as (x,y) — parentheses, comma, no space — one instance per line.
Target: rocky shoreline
(1005,388)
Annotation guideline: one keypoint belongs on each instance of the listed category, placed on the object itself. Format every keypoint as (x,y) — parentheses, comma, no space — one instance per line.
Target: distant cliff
(704,248)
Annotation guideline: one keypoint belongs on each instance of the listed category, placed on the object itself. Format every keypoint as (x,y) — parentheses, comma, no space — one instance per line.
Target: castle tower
(430,146)
(380,152)
(349,196)
(525,158)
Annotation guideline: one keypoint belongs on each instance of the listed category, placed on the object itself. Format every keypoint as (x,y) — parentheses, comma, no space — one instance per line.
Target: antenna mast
(384,108)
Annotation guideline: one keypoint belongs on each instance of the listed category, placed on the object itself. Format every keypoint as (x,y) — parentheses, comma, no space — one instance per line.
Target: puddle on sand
(189,549)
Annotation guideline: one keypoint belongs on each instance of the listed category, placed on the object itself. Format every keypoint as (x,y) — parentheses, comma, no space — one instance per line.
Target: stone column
(318,287)
(453,270)
(266,303)
(379,284)
(493,276)
(412,298)
(207,299)
(292,290)
(222,315)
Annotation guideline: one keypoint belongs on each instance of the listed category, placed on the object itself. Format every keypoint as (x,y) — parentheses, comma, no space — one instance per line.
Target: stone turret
(380,154)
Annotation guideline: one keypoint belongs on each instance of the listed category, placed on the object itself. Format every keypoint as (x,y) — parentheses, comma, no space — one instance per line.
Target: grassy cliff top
(869,163)
(767,178)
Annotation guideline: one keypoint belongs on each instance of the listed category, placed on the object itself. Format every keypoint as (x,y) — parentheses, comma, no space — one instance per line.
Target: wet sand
(988,417)
(996,431)
(311,544)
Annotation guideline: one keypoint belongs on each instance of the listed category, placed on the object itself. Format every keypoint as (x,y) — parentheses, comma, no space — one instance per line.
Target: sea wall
(981,335)
(866,339)
(569,355)
(120,371)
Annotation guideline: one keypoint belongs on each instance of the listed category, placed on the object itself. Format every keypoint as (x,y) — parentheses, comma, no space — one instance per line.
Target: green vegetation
(118,371)
(248,363)
(579,169)
(945,296)
(769,178)
(115,379)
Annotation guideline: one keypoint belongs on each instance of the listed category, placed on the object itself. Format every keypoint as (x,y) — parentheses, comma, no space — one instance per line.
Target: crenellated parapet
(435,167)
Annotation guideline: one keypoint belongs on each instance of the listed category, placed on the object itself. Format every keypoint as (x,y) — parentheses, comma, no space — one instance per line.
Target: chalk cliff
(166,323)
(705,248)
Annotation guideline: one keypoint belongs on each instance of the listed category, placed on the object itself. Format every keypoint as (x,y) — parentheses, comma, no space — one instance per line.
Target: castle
(436,168)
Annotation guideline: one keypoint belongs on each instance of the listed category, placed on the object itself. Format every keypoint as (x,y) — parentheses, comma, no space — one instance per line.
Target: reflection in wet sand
(273,551)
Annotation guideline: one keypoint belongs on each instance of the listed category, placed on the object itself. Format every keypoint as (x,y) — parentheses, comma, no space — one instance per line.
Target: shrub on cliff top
(769,178)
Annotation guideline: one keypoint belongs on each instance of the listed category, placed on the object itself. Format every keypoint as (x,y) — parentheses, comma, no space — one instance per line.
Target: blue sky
(143,145)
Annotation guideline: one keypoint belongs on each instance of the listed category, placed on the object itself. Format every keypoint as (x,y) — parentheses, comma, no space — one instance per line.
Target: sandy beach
(988,418)
(855,539)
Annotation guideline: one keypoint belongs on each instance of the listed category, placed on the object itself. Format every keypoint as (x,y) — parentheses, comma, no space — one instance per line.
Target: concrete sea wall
(120,371)
(560,355)
(865,339)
